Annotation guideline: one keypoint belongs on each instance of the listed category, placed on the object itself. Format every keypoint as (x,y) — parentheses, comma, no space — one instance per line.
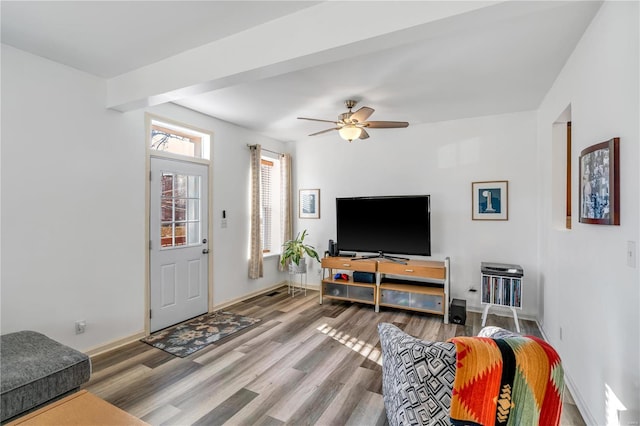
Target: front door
(179,247)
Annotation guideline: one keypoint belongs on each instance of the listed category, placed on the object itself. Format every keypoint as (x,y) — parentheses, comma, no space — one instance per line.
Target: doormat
(191,336)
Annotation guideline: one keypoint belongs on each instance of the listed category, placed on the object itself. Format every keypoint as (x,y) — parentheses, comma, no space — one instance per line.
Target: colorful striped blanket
(509,381)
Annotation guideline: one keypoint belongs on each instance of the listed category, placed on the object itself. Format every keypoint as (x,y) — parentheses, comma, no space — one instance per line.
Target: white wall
(73,205)
(72,213)
(442,160)
(589,291)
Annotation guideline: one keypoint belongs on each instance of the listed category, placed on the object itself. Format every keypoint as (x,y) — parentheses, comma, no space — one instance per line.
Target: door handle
(205,251)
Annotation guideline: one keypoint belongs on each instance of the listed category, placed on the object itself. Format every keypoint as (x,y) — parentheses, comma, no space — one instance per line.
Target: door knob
(205,251)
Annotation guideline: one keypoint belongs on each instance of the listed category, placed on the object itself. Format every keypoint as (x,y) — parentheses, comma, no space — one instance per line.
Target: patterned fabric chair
(417,376)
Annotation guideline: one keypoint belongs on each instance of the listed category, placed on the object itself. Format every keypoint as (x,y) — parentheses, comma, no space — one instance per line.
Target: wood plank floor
(303,364)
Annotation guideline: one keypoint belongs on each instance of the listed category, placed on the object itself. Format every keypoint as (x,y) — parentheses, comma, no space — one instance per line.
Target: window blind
(266,203)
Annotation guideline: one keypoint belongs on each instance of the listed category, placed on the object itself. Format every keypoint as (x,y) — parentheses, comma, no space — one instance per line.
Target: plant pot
(300,268)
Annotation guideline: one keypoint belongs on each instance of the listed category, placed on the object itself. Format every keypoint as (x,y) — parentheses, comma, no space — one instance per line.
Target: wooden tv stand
(404,292)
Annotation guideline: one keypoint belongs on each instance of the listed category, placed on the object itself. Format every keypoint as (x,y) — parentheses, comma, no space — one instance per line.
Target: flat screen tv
(384,225)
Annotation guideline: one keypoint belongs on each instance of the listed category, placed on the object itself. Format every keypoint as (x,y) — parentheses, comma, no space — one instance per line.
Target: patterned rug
(191,336)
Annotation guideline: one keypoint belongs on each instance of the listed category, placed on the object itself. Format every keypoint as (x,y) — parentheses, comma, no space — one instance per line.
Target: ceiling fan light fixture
(351,125)
(350,132)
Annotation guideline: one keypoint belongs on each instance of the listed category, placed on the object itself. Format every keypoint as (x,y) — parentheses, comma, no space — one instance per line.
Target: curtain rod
(264,149)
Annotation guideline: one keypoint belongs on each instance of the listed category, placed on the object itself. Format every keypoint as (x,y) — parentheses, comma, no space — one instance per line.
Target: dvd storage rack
(502,291)
(501,285)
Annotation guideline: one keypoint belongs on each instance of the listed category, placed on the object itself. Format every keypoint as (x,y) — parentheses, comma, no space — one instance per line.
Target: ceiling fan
(351,125)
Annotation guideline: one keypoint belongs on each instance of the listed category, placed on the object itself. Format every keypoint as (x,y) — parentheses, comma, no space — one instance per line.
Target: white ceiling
(108,38)
(495,59)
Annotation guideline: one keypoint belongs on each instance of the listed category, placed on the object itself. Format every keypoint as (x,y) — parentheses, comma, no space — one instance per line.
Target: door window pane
(166,235)
(180,206)
(193,185)
(194,209)
(167,185)
(166,210)
(180,237)
(193,231)
(180,187)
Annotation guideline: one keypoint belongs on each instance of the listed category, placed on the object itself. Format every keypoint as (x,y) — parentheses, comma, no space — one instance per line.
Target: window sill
(270,255)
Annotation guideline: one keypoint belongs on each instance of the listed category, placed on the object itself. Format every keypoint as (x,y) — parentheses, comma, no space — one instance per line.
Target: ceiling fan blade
(385,124)
(364,134)
(362,114)
(324,131)
(316,119)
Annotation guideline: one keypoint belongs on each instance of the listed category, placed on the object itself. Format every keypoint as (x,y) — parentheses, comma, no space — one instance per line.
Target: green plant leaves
(295,249)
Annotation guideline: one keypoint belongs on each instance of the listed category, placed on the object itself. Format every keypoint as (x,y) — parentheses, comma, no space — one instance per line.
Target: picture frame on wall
(490,200)
(600,183)
(309,204)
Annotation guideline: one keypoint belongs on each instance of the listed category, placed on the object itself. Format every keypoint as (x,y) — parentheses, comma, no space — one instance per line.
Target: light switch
(223,223)
(631,254)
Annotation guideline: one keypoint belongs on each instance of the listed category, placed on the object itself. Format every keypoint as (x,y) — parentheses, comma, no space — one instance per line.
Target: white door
(179,249)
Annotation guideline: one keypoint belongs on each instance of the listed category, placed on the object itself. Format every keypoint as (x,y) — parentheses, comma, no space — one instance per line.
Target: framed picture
(309,204)
(490,200)
(600,183)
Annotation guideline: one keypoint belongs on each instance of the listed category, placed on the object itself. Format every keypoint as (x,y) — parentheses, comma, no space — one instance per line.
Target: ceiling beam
(323,33)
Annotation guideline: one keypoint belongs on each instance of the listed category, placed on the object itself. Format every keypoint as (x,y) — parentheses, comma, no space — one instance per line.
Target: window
(177,140)
(270,205)
(266,204)
(180,210)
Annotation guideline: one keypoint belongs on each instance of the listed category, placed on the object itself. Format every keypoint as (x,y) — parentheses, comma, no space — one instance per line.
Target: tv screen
(391,225)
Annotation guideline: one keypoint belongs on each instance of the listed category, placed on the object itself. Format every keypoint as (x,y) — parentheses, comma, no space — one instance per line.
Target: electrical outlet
(81,326)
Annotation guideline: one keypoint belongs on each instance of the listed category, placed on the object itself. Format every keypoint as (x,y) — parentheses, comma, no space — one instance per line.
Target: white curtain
(255,253)
(286,203)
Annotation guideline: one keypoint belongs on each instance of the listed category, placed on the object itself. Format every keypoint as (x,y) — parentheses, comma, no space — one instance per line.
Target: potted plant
(295,251)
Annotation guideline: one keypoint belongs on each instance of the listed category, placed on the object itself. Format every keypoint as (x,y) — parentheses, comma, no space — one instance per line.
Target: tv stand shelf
(405,293)
(347,289)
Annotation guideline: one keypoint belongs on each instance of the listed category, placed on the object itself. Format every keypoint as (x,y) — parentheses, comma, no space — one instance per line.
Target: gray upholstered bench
(36,369)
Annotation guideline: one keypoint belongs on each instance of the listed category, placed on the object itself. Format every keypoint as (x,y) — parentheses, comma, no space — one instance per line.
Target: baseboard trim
(247,296)
(315,287)
(97,350)
(583,408)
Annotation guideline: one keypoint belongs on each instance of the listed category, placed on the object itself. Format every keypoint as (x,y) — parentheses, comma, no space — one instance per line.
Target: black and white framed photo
(490,200)
(309,204)
(600,183)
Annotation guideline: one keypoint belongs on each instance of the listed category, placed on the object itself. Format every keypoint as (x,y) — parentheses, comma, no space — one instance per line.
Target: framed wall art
(600,183)
(309,204)
(490,200)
